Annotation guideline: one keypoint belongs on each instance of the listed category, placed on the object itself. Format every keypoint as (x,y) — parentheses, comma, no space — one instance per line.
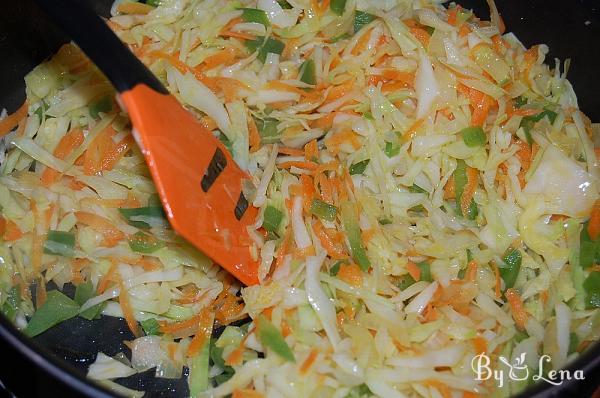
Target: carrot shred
(112,156)
(107,278)
(412,130)
(471,274)
(469,190)
(414,271)
(67,144)
(246,393)
(334,251)
(99,148)
(111,234)
(480,345)
(351,274)
(254,135)
(309,361)
(237,355)
(40,293)
(452,15)
(202,336)
(298,164)
(13,232)
(238,35)
(128,310)
(497,289)
(11,121)
(421,35)
(517,308)
(223,57)
(594,224)
(361,45)
(2,226)
(134,8)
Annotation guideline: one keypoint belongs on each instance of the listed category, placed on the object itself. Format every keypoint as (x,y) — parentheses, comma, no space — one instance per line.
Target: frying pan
(54,363)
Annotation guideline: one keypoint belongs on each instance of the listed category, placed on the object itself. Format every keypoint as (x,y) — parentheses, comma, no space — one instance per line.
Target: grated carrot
(290,151)
(134,8)
(414,271)
(281,86)
(71,140)
(469,190)
(517,308)
(238,35)
(361,44)
(237,355)
(480,345)
(11,121)
(471,274)
(298,164)
(116,153)
(202,336)
(128,310)
(97,151)
(254,136)
(13,232)
(111,234)
(594,223)
(224,57)
(309,361)
(497,289)
(351,274)
(246,393)
(334,251)
(107,278)
(311,151)
(412,130)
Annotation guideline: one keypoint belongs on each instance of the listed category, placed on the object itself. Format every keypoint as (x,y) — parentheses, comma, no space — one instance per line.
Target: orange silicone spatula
(199,184)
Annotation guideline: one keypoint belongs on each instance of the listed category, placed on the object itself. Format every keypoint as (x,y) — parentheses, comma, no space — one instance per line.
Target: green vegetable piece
(267,129)
(406,281)
(520,101)
(83,293)
(272,218)
(60,243)
(323,210)
(223,138)
(368,115)
(573,342)
(337,6)
(198,378)
(359,391)
(41,111)
(103,105)
(350,222)
(425,271)
(270,337)
(361,19)
(154,200)
(336,267)
(416,189)
(359,167)
(473,136)
(264,47)
(56,309)
(429,30)
(509,273)
(384,221)
(216,357)
(343,36)
(391,149)
(139,216)
(284,4)
(151,327)
(589,250)
(153,3)
(141,242)
(520,336)
(255,15)
(591,285)
(528,122)
(10,307)
(460,180)
(307,72)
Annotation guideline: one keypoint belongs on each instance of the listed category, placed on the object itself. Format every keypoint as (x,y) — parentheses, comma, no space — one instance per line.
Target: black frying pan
(54,364)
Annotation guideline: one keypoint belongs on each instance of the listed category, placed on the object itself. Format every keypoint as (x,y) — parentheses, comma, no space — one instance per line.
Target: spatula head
(198,182)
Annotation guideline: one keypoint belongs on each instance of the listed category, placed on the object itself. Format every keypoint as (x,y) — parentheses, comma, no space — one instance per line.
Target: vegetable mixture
(428,191)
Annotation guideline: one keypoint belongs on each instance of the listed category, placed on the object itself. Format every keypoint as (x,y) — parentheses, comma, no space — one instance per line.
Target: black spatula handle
(99,43)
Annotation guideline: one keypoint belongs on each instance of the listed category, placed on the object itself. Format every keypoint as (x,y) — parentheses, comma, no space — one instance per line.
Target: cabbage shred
(424,184)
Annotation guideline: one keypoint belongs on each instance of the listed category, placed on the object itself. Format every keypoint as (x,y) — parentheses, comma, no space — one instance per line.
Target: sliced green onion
(60,243)
(528,122)
(41,111)
(589,250)
(520,336)
(140,217)
(509,273)
(359,167)
(368,115)
(153,3)
(337,6)
(10,307)
(425,271)
(83,293)
(460,180)
(473,136)
(255,15)
(265,46)
(343,36)
(272,218)
(307,72)
(349,214)
(151,327)
(216,356)
(416,189)
(284,4)
(141,242)
(154,200)
(225,141)
(270,337)
(198,377)
(391,149)
(406,281)
(56,309)
(267,129)
(591,285)
(520,101)
(323,210)
(384,221)
(361,19)
(103,105)
(336,267)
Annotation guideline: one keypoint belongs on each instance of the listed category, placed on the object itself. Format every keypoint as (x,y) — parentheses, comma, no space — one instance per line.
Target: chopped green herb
(307,72)
(391,149)
(154,200)
(271,338)
(56,309)
(83,293)
(141,242)
(144,217)
(255,15)
(60,243)
(103,105)
(336,267)
(284,4)
(425,271)
(361,19)
(417,189)
(473,136)
(528,122)
(359,167)
(151,327)
(359,391)
(512,265)
(264,47)
(406,281)
(337,6)
(323,210)
(272,218)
